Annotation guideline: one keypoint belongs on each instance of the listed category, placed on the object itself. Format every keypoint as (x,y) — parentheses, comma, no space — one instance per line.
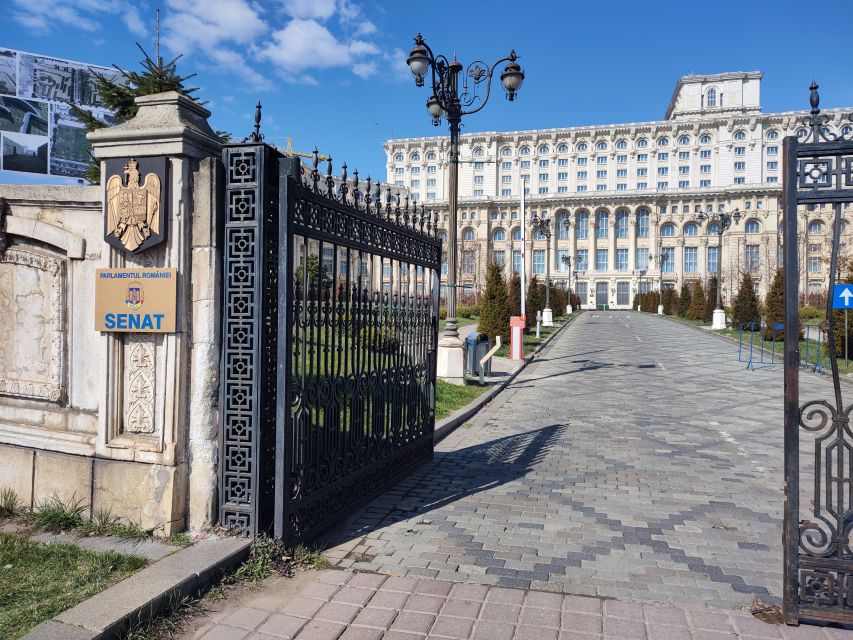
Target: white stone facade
(629,191)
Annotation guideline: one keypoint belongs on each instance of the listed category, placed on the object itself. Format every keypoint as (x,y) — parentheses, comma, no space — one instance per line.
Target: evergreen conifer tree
(670,302)
(710,300)
(494,319)
(534,300)
(118,94)
(684,301)
(513,295)
(697,303)
(745,307)
(774,305)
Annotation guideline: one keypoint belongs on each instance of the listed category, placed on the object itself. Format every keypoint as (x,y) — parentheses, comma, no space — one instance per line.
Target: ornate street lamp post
(662,258)
(543,226)
(723,221)
(567,262)
(453,101)
(640,287)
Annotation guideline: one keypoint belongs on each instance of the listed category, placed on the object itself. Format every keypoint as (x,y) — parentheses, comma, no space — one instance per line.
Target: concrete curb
(446,426)
(147,593)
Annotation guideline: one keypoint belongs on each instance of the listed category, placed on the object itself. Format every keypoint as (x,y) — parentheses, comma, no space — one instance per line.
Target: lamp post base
(450,360)
(547,317)
(660,309)
(719,320)
(568,309)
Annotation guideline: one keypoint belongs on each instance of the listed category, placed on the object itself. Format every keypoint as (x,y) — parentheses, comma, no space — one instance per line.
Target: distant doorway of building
(601,294)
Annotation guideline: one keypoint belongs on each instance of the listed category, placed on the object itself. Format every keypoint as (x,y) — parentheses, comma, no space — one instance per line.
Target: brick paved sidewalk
(339,604)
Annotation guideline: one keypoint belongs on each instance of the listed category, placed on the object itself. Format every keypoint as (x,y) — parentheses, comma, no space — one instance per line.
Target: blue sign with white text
(842,296)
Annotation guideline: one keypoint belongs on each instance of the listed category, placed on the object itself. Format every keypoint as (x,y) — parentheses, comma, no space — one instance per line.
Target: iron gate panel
(818,568)
(329,327)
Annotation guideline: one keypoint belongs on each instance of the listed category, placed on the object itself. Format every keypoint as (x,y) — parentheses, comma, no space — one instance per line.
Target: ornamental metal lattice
(330,333)
(818,514)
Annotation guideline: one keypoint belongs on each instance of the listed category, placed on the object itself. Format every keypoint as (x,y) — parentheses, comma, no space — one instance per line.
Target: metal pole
(720,270)
(450,328)
(845,336)
(547,269)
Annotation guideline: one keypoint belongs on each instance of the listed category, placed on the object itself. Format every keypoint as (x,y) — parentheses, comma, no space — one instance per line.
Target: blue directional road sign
(842,296)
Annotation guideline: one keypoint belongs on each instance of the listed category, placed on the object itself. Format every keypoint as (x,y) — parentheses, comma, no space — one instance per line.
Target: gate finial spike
(814,98)
(257,134)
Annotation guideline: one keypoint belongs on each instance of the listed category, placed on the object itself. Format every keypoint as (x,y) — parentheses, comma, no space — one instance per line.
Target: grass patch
(56,514)
(460,322)
(449,397)
(38,581)
(9,503)
(104,523)
(268,556)
(181,539)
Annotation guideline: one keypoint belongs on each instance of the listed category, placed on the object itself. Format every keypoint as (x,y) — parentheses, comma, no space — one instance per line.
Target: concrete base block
(719,319)
(660,309)
(16,473)
(67,477)
(547,317)
(450,365)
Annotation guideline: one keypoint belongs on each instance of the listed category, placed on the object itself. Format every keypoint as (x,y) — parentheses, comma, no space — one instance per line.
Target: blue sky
(332,73)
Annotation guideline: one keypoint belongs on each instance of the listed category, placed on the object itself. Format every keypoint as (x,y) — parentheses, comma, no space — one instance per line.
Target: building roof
(709,77)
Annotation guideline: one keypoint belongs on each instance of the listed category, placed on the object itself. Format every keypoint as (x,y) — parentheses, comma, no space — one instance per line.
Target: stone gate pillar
(158,415)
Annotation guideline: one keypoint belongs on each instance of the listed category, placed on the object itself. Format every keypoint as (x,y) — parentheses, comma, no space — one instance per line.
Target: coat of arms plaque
(135,203)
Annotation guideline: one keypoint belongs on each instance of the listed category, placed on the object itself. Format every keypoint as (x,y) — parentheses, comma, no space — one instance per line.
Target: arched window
(525,150)
(773,134)
(684,140)
(690,229)
(537,234)
(601,145)
(752,226)
(431,155)
(582,146)
(399,157)
(516,234)
(642,223)
(642,143)
(582,225)
(705,139)
(622,144)
(506,151)
(562,229)
(711,98)
(740,134)
(621,224)
(815,228)
(802,133)
(499,235)
(479,152)
(563,148)
(544,149)
(468,235)
(416,157)
(714,229)
(668,230)
(663,141)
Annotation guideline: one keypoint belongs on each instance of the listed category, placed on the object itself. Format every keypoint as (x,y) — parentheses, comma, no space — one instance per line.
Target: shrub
(442,313)
(811,313)
(697,303)
(494,319)
(684,301)
(774,305)
(513,295)
(745,306)
(670,302)
(711,299)
(534,300)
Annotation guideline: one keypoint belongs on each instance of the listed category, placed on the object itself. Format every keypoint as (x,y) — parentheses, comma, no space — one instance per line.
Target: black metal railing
(818,568)
(328,370)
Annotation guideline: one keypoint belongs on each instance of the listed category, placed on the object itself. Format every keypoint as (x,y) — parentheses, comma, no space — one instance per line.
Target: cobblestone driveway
(635,459)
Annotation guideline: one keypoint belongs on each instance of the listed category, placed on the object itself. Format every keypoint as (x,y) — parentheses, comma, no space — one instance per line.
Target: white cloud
(43,16)
(199,24)
(319,9)
(133,21)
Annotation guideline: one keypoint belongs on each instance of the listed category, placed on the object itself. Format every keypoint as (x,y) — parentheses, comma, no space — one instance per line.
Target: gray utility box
(477,345)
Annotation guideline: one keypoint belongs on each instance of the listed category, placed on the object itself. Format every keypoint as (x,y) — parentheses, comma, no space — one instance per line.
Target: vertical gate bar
(288,169)
(790,535)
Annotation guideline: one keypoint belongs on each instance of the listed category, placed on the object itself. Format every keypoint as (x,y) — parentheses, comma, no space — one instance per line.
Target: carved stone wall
(32,305)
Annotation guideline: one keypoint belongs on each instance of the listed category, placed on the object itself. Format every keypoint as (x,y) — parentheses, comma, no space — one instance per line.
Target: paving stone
(424,604)
(282,626)
(371,617)
(581,622)
(247,618)
(748,626)
(536,617)
(500,613)
(505,596)
(413,622)
(450,627)
(624,628)
(529,632)
(337,612)
(461,608)
(224,632)
(388,599)
(667,632)
(303,607)
(319,630)
(353,595)
(486,630)
(362,633)
(367,580)
(320,590)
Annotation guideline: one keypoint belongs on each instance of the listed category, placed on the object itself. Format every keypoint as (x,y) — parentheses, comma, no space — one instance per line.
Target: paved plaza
(636,458)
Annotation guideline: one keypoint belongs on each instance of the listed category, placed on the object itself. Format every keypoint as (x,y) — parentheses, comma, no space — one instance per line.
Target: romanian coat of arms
(134,219)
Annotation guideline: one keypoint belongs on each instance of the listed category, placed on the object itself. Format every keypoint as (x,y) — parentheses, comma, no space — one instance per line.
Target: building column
(679,259)
(611,253)
(702,259)
(632,243)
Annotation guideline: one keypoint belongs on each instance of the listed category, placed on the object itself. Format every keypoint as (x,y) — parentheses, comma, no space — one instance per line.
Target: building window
(663,185)
(561,253)
(601,259)
(543,191)
(740,180)
(398,171)
(705,153)
(543,177)
(751,258)
(479,152)
(525,150)
(642,185)
(563,162)
(814,265)
(506,152)
(582,225)
(478,166)
(815,228)
(705,168)
(642,157)
(622,293)
(500,257)
(643,223)
(705,139)
(430,155)
(468,234)
(740,166)
(582,260)
(663,156)
(622,144)
(399,158)
(516,261)
(642,172)
(622,159)
(621,224)
(563,148)
(516,234)
(740,151)
(506,193)
(621,187)
(562,175)
(668,230)
(663,171)
(621,260)
(772,166)
(506,166)
(416,170)
(581,188)
(690,261)
(621,173)
(602,219)
(683,170)
(684,155)
(431,168)
(601,175)
(543,164)
(691,230)
(772,134)
(601,160)
(561,229)
(539,261)
(704,183)
(772,179)
(740,135)
(478,179)
(642,258)
(544,149)
(562,189)
(582,162)
(662,142)
(642,143)
(430,182)
(601,187)
(713,256)
(684,184)
(601,145)
(772,151)
(711,98)
(525,164)
(581,175)
(499,235)
(479,192)
(468,262)
(668,259)
(416,184)
(752,226)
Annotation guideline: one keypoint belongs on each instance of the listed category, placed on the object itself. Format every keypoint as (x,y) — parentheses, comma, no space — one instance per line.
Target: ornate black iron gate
(330,324)
(819,518)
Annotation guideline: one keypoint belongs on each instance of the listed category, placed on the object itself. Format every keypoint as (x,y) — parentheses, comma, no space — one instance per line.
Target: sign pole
(523,242)
(845,337)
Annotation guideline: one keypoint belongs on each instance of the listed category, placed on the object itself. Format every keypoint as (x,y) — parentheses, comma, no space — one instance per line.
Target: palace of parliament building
(624,199)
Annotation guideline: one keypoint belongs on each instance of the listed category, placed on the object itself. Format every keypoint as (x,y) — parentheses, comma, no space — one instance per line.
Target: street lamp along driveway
(543,226)
(640,287)
(662,259)
(452,101)
(723,221)
(567,262)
